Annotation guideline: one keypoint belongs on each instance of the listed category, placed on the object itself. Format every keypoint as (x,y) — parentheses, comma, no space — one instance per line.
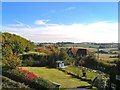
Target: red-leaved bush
(29,76)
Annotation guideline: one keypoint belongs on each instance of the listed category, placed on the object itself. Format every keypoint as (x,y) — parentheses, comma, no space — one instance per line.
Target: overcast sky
(62,21)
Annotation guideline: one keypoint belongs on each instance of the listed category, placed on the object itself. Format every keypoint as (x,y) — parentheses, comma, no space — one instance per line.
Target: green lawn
(78,71)
(57,76)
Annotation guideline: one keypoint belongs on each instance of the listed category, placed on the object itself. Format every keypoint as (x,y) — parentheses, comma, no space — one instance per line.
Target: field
(106,57)
(54,75)
(85,45)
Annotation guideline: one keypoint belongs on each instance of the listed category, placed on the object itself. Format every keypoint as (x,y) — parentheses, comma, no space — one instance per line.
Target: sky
(62,21)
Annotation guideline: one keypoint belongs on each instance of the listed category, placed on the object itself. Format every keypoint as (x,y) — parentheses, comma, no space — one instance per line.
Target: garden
(25,65)
(55,75)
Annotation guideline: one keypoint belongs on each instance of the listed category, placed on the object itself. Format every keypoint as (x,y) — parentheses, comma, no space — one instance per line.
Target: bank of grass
(54,75)
(78,71)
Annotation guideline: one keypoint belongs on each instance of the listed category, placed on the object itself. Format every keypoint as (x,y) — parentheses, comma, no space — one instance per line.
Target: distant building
(104,52)
(78,51)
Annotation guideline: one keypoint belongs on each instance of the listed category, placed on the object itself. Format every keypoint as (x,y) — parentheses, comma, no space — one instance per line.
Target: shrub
(12,62)
(100,83)
(10,84)
(28,78)
(92,62)
(14,74)
(34,59)
(40,83)
(31,63)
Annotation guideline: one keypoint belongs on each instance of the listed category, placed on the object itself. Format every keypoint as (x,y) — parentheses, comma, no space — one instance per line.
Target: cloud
(92,32)
(19,24)
(41,22)
(70,8)
(15,25)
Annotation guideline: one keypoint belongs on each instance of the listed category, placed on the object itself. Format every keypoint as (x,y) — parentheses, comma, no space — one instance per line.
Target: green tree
(53,56)
(16,48)
(63,54)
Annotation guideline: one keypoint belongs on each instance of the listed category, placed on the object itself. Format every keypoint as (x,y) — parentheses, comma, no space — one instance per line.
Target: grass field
(106,57)
(57,76)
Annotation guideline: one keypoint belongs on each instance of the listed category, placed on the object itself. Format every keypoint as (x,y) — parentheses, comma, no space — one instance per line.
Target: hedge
(34,59)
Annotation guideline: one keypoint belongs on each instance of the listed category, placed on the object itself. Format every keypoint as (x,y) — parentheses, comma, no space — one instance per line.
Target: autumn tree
(12,45)
(11,62)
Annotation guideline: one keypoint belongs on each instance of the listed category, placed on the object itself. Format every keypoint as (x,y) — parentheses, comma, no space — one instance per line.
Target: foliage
(11,62)
(29,78)
(10,84)
(46,56)
(27,49)
(15,43)
(69,60)
(30,63)
(12,45)
(40,83)
(92,62)
(100,83)
(34,59)
(118,67)
(53,54)
(63,54)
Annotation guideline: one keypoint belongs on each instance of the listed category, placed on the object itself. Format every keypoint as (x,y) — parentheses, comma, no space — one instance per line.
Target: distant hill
(82,44)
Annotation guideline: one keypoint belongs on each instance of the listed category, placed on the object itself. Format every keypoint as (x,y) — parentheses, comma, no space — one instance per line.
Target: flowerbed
(28,78)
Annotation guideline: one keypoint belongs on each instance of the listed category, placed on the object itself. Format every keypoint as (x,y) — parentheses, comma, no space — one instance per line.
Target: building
(78,51)
(60,64)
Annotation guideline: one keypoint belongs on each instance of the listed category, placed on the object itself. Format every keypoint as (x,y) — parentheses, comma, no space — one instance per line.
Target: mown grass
(78,71)
(54,75)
